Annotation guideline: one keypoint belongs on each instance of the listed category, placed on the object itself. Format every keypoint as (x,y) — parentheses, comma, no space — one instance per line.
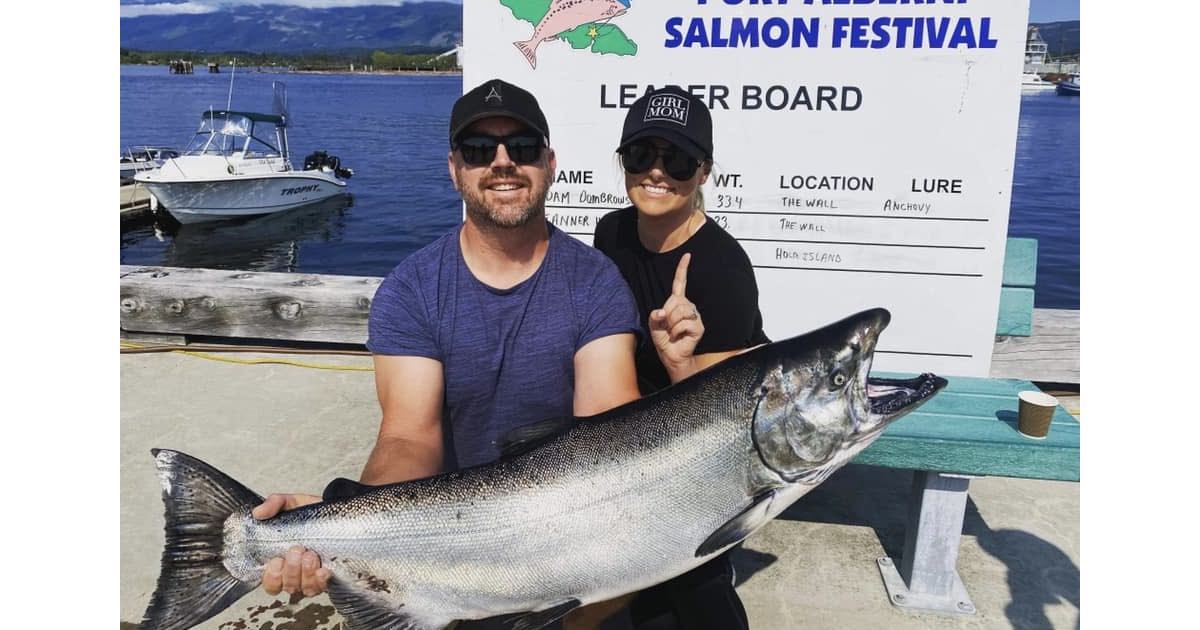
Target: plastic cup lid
(1042,399)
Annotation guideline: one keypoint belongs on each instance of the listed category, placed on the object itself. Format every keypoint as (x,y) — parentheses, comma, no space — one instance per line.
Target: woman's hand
(676,328)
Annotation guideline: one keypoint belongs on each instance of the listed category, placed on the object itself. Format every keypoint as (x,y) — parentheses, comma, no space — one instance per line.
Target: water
(1045,194)
(392,131)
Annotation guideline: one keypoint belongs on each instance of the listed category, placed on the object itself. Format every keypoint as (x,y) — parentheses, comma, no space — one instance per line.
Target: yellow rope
(211,357)
(315,366)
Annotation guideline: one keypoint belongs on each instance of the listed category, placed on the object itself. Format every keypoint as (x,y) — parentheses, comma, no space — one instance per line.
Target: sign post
(863,148)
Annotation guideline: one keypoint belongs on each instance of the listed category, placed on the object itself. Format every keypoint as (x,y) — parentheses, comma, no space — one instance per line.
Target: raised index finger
(679,286)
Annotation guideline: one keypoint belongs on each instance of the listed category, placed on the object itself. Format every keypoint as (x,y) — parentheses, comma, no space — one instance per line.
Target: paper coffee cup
(1036,409)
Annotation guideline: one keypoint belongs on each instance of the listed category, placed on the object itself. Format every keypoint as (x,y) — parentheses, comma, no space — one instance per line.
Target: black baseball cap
(496,97)
(673,114)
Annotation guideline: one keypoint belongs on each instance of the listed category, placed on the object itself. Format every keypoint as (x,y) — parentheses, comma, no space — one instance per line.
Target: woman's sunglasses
(480,149)
(640,156)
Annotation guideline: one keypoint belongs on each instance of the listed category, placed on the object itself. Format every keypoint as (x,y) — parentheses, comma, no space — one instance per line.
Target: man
(503,321)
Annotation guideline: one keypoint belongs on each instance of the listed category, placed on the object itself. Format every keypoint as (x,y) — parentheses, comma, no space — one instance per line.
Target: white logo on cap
(494,94)
(668,107)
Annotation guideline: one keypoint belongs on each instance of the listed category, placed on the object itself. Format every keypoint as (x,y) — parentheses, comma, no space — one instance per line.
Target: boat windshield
(225,133)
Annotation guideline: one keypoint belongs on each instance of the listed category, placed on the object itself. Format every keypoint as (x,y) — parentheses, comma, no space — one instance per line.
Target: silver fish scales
(579,510)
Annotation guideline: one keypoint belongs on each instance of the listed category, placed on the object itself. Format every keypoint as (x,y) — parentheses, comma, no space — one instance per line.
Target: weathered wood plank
(1049,355)
(298,307)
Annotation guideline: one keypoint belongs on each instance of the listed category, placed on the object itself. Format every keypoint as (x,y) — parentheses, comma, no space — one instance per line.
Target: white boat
(1036,49)
(237,165)
(1031,81)
(144,158)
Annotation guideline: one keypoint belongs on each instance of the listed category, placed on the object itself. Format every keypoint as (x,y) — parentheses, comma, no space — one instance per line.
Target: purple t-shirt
(507,355)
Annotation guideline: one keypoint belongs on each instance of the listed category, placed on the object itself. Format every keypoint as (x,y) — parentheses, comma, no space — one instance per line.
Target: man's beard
(508,215)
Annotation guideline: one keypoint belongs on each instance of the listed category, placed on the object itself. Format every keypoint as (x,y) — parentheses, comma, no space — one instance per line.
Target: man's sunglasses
(640,156)
(480,149)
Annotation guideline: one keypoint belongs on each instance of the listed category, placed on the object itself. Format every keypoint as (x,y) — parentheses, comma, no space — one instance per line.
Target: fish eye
(838,378)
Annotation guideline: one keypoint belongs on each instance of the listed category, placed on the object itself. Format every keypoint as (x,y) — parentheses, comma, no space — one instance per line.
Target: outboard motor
(320,160)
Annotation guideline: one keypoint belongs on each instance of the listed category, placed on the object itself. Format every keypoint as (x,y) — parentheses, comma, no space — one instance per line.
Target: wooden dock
(1051,352)
(333,309)
(136,201)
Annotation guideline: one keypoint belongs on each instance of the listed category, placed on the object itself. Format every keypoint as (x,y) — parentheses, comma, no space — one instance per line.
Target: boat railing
(142,154)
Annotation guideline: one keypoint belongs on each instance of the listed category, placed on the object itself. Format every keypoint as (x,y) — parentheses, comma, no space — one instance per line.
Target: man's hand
(300,570)
(676,328)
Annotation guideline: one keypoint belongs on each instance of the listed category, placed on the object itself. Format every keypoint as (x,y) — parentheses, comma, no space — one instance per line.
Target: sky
(135,8)
(1039,10)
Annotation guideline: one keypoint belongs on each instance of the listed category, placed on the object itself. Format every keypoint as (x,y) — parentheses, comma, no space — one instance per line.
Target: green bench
(1016,288)
(968,430)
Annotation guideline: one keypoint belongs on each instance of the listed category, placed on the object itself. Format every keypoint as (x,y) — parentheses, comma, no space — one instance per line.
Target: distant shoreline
(281,70)
(383,72)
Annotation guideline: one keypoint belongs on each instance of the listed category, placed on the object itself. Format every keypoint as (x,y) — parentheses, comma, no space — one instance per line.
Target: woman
(666,152)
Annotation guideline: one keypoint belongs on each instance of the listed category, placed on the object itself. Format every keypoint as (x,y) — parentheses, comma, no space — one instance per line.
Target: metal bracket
(926,579)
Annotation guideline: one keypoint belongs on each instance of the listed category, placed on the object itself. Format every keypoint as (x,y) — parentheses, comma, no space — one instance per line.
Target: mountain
(1062,38)
(289,29)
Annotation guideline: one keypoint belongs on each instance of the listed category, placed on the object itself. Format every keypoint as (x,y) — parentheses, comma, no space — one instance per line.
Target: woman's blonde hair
(698,196)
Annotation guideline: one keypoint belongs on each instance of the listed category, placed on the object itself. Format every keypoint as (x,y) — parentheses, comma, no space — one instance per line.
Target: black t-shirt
(720,283)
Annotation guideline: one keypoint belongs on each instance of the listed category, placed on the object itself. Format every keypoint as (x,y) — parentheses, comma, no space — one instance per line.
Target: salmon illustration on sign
(581,23)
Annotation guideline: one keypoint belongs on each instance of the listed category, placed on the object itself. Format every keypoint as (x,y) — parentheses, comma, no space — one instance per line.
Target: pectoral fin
(365,609)
(739,526)
(543,618)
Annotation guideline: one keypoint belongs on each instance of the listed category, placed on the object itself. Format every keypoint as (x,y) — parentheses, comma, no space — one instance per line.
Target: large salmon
(579,510)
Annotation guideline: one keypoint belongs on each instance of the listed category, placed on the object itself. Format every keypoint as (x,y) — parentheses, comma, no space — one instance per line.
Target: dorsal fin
(525,438)
(342,488)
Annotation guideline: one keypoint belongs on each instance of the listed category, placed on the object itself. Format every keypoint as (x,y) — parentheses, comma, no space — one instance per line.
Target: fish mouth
(891,398)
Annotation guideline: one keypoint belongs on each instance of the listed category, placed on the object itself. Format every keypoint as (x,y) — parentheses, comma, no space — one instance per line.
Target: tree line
(379,60)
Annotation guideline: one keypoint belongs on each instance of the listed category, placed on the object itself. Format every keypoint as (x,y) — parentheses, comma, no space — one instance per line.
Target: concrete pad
(283,428)
(274,428)
(814,565)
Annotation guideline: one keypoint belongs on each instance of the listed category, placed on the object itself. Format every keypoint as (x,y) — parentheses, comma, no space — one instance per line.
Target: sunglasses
(480,149)
(640,156)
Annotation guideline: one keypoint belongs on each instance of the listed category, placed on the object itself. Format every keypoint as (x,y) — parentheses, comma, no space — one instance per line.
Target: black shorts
(701,599)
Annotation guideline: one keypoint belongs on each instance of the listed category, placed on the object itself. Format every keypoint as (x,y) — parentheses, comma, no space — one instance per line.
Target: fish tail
(529,49)
(193,583)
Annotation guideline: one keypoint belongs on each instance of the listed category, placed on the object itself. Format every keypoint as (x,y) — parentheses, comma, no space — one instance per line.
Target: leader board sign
(863,149)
